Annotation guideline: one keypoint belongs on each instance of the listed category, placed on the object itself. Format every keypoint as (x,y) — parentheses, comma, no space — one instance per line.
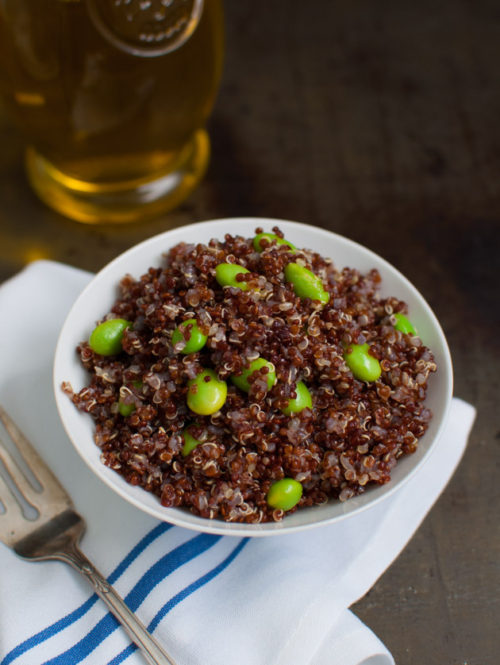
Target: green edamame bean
(125,410)
(206,393)
(284,494)
(300,402)
(271,237)
(196,339)
(225,274)
(305,283)
(190,443)
(363,365)
(241,381)
(404,325)
(106,338)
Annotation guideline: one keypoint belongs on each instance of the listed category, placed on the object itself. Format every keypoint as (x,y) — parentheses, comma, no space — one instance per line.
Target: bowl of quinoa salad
(252,377)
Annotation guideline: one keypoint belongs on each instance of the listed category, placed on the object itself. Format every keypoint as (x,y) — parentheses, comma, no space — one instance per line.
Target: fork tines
(16,490)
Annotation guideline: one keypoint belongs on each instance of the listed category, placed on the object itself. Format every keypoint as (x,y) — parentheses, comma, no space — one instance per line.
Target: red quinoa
(350,439)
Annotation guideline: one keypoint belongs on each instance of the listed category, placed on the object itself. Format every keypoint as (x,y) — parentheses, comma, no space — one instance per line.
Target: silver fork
(56,532)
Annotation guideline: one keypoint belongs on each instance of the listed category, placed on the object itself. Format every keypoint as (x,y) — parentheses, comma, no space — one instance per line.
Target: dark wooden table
(380,121)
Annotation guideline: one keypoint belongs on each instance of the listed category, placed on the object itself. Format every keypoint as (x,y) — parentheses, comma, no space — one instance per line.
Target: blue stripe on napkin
(70,618)
(165,566)
(175,600)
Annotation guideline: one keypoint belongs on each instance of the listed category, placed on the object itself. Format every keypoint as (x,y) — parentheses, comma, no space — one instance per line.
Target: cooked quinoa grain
(348,436)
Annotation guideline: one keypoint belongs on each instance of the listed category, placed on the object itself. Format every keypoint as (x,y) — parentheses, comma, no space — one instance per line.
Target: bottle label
(146,28)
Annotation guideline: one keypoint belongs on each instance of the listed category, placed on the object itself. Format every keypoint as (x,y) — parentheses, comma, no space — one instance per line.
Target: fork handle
(151,650)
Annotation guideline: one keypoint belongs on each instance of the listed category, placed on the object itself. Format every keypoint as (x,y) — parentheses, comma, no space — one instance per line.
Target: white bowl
(98,297)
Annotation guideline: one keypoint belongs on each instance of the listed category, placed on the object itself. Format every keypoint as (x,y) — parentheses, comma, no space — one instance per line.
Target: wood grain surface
(380,120)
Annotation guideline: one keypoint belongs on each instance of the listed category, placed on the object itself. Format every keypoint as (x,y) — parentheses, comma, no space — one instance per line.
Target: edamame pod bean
(270,237)
(190,443)
(363,365)
(241,381)
(284,494)
(196,339)
(125,410)
(403,324)
(305,283)
(106,338)
(300,402)
(225,274)
(206,393)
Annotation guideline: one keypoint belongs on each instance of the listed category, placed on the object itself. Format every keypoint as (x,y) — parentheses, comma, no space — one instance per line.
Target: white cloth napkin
(210,600)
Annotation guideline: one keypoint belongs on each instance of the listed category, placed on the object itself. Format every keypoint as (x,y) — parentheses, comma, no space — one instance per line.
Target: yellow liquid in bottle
(114,135)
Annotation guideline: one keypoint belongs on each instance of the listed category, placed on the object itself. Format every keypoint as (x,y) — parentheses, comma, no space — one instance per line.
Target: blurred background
(379,120)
